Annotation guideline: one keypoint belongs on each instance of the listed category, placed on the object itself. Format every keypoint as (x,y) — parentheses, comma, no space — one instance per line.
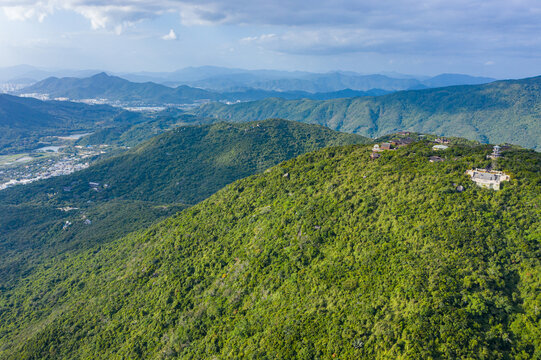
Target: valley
(62,158)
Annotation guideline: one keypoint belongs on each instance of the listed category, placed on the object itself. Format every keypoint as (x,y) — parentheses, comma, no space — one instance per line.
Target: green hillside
(187,164)
(502,111)
(329,255)
(150,182)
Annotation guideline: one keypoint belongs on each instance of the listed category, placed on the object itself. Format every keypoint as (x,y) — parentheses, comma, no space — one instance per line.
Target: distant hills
(116,90)
(335,81)
(23,121)
(502,111)
(223,79)
(227,79)
(328,255)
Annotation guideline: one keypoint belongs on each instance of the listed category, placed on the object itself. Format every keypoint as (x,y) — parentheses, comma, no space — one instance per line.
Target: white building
(488,179)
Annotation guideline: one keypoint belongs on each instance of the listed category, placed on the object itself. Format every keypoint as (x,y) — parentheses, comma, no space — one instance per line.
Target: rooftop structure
(402,142)
(495,153)
(374,155)
(489,179)
(442,141)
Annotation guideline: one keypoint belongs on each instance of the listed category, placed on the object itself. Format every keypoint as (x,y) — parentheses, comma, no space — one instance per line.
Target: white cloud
(400,14)
(323,26)
(170,36)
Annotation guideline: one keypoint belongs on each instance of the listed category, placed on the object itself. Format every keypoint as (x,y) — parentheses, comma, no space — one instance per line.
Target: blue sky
(491,37)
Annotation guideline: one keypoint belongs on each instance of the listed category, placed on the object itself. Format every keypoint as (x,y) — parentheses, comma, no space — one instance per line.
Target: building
(442,141)
(376,148)
(385,146)
(436,159)
(489,179)
(374,155)
(495,153)
(440,147)
(402,142)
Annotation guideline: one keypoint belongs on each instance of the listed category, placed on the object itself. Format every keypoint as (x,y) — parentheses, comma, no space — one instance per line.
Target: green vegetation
(135,134)
(502,111)
(138,187)
(185,165)
(329,255)
(25,121)
(30,233)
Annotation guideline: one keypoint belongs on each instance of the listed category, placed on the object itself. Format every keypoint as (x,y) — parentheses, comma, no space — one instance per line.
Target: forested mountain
(24,120)
(189,163)
(502,111)
(124,193)
(115,89)
(328,255)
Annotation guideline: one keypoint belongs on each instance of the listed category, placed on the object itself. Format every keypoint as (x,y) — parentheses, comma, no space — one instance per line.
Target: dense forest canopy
(328,255)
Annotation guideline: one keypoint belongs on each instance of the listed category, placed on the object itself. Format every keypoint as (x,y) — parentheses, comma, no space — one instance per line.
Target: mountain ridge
(502,111)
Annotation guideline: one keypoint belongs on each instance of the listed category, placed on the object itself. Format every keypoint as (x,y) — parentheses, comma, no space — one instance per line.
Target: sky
(496,38)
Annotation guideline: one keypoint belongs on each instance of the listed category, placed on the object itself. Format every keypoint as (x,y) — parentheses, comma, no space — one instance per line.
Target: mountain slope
(502,111)
(343,257)
(187,164)
(123,193)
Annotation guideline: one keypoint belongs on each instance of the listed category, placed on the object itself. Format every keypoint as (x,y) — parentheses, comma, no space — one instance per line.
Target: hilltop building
(489,179)
(495,153)
(440,147)
(442,140)
(402,142)
(374,155)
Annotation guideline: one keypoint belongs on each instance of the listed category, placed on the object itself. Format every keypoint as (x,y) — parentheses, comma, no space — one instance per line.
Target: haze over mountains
(502,111)
(115,90)
(227,79)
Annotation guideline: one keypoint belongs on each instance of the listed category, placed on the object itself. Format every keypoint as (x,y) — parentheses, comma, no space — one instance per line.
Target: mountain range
(222,79)
(335,81)
(498,112)
(114,89)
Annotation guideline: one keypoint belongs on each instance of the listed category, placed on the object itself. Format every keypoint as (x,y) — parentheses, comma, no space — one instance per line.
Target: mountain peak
(101,75)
